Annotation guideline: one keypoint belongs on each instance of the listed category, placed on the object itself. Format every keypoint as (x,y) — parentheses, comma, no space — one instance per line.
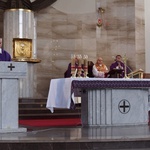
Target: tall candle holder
(79,72)
(72,65)
(79,64)
(85,60)
(125,65)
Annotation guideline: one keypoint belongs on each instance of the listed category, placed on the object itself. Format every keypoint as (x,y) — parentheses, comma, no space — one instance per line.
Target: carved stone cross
(11,66)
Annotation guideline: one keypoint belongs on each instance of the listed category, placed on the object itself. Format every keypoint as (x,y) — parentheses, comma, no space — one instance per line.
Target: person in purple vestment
(4,55)
(118,67)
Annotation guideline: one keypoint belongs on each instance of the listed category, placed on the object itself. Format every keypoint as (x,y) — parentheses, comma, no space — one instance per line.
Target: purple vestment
(115,66)
(5,56)
(68,71)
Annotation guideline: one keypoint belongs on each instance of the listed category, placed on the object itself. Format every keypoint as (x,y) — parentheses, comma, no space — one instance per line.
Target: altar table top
(60,90)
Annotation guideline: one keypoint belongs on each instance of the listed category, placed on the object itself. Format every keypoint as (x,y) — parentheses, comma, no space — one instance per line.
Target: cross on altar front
(11,66)
(124,107)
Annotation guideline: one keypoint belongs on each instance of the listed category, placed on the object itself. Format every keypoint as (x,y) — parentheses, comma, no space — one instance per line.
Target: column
(21,23)
(147,36)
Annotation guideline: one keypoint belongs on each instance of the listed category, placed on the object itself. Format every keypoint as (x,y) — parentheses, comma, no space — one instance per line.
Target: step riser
(32,108)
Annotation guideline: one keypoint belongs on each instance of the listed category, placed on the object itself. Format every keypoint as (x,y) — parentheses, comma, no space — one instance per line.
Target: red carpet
(51,122)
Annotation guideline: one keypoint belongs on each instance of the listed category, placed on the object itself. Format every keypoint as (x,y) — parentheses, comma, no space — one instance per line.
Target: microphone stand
(125,65)
(131,71)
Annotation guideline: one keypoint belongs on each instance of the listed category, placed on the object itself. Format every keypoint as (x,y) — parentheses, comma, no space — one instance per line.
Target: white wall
(147,36)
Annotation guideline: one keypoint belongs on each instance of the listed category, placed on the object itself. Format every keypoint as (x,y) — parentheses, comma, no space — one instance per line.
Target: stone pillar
(20,23)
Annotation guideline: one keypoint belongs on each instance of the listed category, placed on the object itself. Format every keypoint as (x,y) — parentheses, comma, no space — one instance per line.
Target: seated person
(117,68)
(100,69)
(68,71)
(4,55)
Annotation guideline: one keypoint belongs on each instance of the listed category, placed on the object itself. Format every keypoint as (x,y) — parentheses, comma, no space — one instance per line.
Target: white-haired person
(100,70)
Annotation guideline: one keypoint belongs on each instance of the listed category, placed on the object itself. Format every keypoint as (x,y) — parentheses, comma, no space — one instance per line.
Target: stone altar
(113,102)
(10,73)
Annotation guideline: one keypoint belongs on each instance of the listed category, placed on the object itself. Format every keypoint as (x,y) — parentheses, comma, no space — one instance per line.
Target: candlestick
(125,65)
(85,58)
(72,65)
(79,57)
(80,60)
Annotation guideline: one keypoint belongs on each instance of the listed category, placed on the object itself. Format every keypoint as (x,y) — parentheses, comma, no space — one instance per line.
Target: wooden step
(35,108)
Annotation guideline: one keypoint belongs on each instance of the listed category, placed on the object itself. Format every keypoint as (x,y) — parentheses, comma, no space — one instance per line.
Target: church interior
(51,32)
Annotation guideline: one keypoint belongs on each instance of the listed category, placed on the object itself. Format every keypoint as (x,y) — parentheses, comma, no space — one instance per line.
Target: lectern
(10,73)
(115,73)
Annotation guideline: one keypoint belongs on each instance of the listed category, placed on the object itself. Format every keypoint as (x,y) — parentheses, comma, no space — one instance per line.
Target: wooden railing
(136,74)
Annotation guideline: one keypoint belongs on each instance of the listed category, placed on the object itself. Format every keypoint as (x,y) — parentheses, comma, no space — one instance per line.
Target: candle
(85,60)
(72,60)
(72,64)
(80,60)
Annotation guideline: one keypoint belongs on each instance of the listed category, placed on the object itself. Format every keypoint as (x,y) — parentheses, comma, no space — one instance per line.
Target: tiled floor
(79,138)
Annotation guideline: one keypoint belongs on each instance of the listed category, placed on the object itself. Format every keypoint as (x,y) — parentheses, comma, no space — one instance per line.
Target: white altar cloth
(59,95)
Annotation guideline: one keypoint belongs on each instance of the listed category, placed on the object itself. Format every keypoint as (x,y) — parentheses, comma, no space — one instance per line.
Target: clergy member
(118,65)
(4,55)
(100,69)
